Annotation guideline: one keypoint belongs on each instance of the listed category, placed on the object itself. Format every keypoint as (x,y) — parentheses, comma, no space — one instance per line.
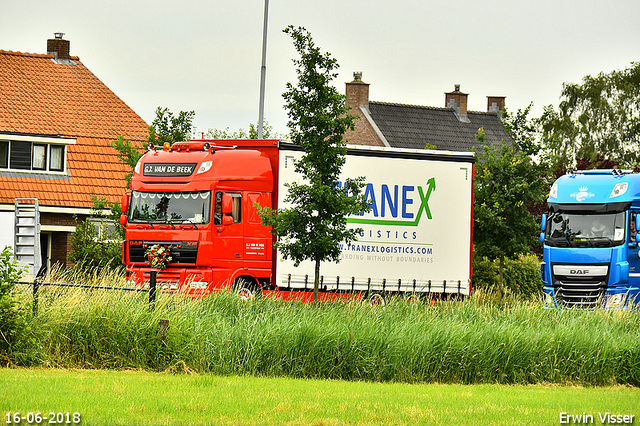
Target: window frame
(236,213)
(6,163)
(46,166)
(62,158)
(45,148)
(17,154)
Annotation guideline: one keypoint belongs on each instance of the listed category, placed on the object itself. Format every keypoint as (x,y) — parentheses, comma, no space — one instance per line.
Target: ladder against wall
(27,235)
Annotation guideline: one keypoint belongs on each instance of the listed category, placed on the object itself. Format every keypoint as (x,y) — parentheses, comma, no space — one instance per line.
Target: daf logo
(579,272)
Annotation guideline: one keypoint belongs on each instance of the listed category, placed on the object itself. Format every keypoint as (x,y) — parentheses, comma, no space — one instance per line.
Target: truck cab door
(257,238)
(633,246)
(228,228)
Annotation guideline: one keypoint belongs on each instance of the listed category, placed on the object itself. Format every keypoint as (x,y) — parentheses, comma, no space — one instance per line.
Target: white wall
(6,229)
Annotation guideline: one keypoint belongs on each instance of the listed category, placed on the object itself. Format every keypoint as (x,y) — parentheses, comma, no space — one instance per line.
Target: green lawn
(106,397)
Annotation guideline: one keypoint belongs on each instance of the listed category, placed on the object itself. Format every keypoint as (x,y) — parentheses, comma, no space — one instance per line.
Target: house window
(106,230)
(39,157)
(22,155)
(56,163)
(4,154)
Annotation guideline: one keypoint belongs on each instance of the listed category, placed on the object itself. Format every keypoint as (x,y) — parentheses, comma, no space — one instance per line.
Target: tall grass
(477,341)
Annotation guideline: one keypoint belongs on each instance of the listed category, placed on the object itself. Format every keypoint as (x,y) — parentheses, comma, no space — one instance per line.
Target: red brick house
(57,120)
(451,127)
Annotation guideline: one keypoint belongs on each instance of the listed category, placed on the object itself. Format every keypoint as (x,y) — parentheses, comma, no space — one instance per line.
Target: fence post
(36,285)
(152,288)
(163,327)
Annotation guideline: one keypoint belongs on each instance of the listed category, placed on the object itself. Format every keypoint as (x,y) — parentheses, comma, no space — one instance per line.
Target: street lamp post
(263,73)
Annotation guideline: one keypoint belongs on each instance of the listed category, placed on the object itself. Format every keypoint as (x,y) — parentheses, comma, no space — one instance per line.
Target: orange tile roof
(40,97)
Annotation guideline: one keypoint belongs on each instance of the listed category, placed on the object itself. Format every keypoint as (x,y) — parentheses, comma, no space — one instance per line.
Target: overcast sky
(205,55)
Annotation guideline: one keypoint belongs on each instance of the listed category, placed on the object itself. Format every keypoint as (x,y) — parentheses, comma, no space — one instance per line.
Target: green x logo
(424,207)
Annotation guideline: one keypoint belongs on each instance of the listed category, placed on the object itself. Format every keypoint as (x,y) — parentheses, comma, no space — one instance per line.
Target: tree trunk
(316,282)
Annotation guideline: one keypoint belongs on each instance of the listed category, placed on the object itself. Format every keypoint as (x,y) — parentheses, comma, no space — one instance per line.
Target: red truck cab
(198,199)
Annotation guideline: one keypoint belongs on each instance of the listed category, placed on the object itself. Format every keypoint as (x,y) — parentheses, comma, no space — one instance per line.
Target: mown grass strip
(145,398)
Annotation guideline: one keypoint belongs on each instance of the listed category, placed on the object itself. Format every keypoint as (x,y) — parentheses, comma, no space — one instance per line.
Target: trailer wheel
(377,299)
(246,288)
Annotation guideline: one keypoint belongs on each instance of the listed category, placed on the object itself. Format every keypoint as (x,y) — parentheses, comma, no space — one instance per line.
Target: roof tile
(413,127)
(40,97)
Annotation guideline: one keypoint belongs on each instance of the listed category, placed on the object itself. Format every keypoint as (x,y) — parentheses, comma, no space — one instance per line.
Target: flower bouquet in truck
(158,256)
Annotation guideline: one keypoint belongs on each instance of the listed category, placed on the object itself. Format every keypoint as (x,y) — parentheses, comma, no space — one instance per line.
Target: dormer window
(40,154)
(56,163)
(4,154)
(39,157)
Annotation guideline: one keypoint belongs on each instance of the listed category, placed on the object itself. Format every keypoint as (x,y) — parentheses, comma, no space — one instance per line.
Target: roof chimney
(458,101)
(58,47)
(357,91)
(495,103)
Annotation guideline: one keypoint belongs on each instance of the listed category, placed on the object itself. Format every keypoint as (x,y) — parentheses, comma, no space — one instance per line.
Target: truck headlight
(548,301)
(205,167)
(199,285)
(619,189)
(614,301)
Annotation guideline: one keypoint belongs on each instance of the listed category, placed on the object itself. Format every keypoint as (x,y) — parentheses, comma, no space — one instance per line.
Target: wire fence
(37,283)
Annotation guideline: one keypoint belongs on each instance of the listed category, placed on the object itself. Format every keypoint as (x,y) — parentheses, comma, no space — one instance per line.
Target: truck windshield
(585,230)
(170,207)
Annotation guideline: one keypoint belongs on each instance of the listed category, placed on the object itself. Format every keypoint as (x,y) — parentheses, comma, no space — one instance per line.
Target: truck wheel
(377,299)
(246,289)
(413,299)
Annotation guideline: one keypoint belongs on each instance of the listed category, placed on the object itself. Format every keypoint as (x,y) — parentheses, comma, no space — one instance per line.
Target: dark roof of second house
(415,127)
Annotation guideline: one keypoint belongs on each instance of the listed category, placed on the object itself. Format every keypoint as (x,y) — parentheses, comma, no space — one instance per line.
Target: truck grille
(181,251)
(580,286)
(164,277)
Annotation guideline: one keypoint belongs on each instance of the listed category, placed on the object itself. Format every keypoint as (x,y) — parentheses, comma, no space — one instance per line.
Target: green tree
(522,129)
(97,241)
(165,128)
(313,228)
(601,116)
(252,133)
(128,153)
(506,184)
(12,315)
(168,128)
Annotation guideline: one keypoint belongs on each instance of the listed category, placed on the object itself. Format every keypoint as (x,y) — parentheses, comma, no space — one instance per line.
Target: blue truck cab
(590,234)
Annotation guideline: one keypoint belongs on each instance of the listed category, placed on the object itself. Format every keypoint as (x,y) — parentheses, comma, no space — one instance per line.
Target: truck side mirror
(123,220)
(634,235)
(542,237)
(227,205)
(124,206)
(227,220)
(634,226)
(543,223)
